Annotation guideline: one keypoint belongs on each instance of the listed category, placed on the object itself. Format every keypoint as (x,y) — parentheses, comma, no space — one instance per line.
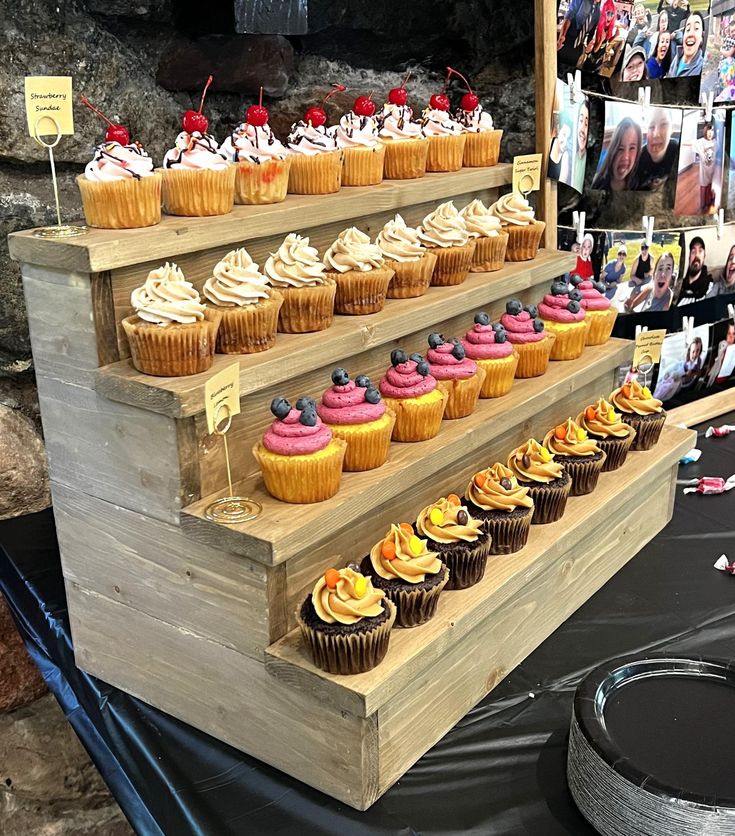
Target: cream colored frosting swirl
(236,280)
(445,526)
(569,439)
(113,161)
(475,121)
(396,122)
(439,123)
(353,598)
(481,222)
(400,242)
(166,297)
(195,150)
(632,397)
(355,131)
(513,209)
(496,489)
(532,462)
(444,227)
(353,250)
(409,565)
(600,419)
(296,264)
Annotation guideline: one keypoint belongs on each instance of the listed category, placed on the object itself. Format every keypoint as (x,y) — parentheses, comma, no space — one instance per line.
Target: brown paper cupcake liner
(600,325)
(248,329)
(499,375)
(198,193)
(363,166)
(416,421)
(121,204)
(452,264)
(533,358)
(489,253)
(307,309)
(570,339)
(405,158)
(616,450)
(549,500)
(367,447)
(261,183)
(466,563)
(302,479)
(349,653)
(410,278)
(523,241)
(462,395)
(445,152)
(360,293)
(647,429)
(318,174)
(172,350)
(482,149)
(509,533)
(584,471)
(416,606)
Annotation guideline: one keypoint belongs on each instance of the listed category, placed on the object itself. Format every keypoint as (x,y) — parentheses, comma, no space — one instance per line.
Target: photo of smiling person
(660,152)
(718,74)
(570,122)
(701,163)
(621,147)
(724,281)
(579,165)
(634,64)
(688,59)
(658,64)
(659,294)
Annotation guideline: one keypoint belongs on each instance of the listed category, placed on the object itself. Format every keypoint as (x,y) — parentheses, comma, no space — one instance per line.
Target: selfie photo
(569,132)
(591,34)
(684,357)
(718,73)
(701,162)
(708,265)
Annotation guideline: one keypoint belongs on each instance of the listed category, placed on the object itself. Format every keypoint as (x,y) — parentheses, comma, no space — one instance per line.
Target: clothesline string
(607,97)
(641,232)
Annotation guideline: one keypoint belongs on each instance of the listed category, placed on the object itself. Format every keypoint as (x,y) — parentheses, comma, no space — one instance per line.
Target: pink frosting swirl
(195,151)
(289,437)
(252,143)
(445,366)
(347,405)
(479,344)
(113,161)
(554,308)
(520,328)
(592,299)
(403,381)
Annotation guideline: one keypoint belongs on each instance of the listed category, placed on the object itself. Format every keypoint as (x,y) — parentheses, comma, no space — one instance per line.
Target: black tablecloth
(501,770)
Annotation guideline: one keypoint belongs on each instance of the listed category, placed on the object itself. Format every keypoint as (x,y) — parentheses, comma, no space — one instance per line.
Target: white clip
(639,329)
(731,312)
(575,86)
(688,326)
(648,221)
(720,224)
(707,100)
(578,220)
(644,98)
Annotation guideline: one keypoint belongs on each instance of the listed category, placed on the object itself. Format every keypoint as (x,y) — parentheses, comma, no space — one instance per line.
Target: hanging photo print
(701,163)
(731,166)
(708,265)
(718,75)
(722,358)
(590,251)
(684,358)
(569,131)
(591,34)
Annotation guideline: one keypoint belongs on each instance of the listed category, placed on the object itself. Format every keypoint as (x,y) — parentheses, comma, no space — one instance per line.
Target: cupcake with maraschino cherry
(526,332)
(364,152)
(119,187)
(197,180)
(354,411)
(300,459)
(316,164)
(548,483)
(578,453)
(505,508)
(412,264)
(518,219)
(459,540)
(346,622)
(600,313)
(248,304)
(411,392)
(640,410)
(412,576)
(261,161)
(490,240)
(446,138)
(456,374)
(563,315)
(609,430)
(444,233)
(358,267)
(482,147)
(489,347)
(406,147)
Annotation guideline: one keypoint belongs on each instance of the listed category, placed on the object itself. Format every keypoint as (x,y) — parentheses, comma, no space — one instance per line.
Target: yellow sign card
(648,347)
(49,99)
(222,397)
(527,173)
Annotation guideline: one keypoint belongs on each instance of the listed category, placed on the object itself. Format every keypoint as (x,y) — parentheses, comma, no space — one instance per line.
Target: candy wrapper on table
(710,485)
(724,565)
(719,432)
(692,456)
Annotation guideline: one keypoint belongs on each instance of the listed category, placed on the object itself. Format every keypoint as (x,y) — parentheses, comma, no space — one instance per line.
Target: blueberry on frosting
(435,340)
(538,325)
(532,311)
(599,287)
(304,402)
(498,327)
(308,417)
(559,289)
(501,336)
(340,377)
(423,368)
(575,280)
(482,318)
(513,307)
(573,306)
(363,381)
(372,395)
(575,295)
(280,407)
(458,351)
(416,357)
(397,356)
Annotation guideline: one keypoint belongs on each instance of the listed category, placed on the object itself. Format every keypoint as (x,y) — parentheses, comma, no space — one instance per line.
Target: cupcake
(355,412)
(358,268)
(346,622)
(444,233)
(119,188)
(459,540)
(518,219)
(316,165)
(364,153)
(535,468)
(564,316)
(490,240)
(505,508)
(172,333)
(406,147)
(599,310)
(456,374)
(412,264)
(489,347)
(248,305)
(411,576)
(525,331)
(299,458)
(580,455)
(446,139)
(482,147)
(296,271)
(610,432)
(410,391)
(640,410)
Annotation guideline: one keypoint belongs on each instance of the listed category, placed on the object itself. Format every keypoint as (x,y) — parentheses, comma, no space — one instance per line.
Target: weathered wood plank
(704,409)
(103,313)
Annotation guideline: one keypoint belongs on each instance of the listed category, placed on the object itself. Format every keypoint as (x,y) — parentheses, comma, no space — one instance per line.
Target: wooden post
(545,71)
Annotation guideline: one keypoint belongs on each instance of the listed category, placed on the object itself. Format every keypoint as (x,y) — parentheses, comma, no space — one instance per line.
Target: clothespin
(720,219)
(648,221)
(639,329)
(578,220)
(644,99)
(707,100)
(575,86)
(688,326)
(731,312)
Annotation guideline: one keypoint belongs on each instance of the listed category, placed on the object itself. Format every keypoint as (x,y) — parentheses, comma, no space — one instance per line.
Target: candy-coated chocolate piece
(646,392)
(388,549)
(454,499)
(462,517)
(331,577)
(526,460)
(560,432)
(480,479)
(436,516)
(626,389)
(545,455)
(506,483)
(581,434)
(360,586)
(611,416)
(415,545)
(406,527)
(589,413)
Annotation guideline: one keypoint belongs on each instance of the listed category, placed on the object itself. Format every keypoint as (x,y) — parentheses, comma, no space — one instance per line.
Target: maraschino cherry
(399,95)
(257,115)
(114,132)
(470,101)
(439,101)
(316,115)
(364,105)
(195,120)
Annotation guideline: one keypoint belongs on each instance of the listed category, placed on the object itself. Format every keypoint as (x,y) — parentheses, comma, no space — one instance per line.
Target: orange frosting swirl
(487,492)
(569,439)
(632,397)
(532,462)
(411,565)
(600,419)
(439,523)
(353,598)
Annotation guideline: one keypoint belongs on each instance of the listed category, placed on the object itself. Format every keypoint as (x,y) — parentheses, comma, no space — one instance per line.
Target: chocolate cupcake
(548,483)
(582,458)
(610,432)
(505,508)
(459,540)
(346,622)
(411,576)
(642,411)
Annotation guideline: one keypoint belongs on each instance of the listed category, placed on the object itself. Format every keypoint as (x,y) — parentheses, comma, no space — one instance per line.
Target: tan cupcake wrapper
(466,563)
(318,174)
(410,278)
(584,473)
(600,325)
(261,183)
(198,193)
(462,395)
(489,253)
(452,264)
(508,534)
(570,339)
(416,421)
(445,152)
(616,450)
(349,653)
(363,166)
(172,350)
(307,309)
(121,204)
(405,158)
(533,358)
(359,292)
(647,433)
(302,479)
(549,503)
(416,606)
(367,448)
(482,149)
(523,241)
(248,329)
(499,375)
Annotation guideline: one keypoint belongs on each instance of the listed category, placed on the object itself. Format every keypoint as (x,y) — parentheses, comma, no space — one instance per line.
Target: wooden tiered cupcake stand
(198,618)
